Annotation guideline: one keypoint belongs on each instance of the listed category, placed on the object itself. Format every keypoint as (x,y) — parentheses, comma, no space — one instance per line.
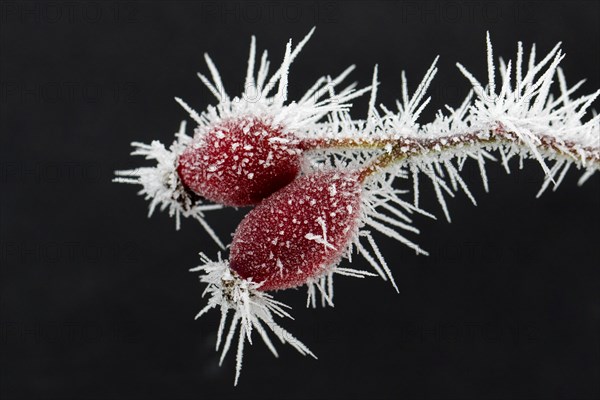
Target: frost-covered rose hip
(299,232)
(243,148)
(297,236)
(290,239)
(240,161)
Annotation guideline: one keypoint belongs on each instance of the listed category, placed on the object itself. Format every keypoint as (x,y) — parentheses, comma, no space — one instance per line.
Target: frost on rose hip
(299,232)
(244,147)
(240,162)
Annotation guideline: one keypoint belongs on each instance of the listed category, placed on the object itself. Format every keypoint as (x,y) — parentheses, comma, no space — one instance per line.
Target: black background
(96,301)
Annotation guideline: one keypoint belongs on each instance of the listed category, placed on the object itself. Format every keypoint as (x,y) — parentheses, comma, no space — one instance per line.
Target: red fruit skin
(271,244)
(239,162)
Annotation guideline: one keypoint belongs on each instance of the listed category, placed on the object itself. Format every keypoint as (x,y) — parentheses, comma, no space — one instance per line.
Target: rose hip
(240,162)
(299,232)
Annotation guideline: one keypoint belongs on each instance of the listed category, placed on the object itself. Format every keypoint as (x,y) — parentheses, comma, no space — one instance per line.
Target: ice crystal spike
(161,185)
(251,309)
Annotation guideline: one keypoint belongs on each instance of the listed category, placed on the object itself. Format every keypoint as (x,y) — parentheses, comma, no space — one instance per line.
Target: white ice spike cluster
(513,116)
(161,185)
(267,97)
(251,309)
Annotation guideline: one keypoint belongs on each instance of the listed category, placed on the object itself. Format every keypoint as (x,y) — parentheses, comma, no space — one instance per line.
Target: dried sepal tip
(253,309)
(162,186)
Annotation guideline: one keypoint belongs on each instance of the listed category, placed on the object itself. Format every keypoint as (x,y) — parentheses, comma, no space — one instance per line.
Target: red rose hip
(239,162)
(299,232)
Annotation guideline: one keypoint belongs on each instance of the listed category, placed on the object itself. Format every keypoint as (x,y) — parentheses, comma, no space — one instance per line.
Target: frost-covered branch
(515,117)
(323,183)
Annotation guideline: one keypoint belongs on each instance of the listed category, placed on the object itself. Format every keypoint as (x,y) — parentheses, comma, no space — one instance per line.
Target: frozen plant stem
(409,148)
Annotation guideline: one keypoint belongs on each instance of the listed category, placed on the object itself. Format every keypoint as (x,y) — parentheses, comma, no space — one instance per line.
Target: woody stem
(403,148)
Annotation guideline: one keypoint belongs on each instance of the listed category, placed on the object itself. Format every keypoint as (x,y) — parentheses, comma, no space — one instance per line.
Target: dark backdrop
(96,301)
